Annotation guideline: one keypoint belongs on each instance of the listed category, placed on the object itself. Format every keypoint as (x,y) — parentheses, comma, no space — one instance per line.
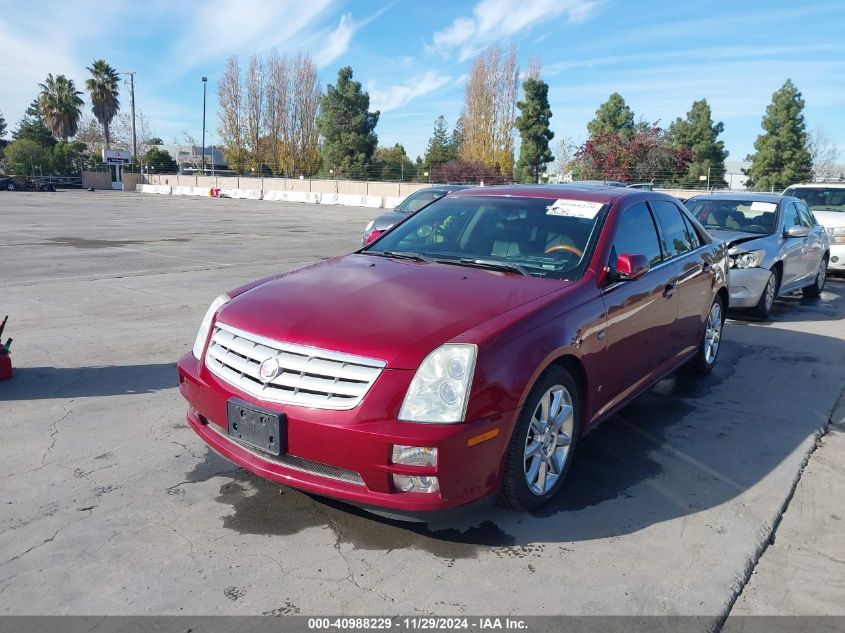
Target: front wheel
(708,349)
(763,309)
(815,290)
(540,449)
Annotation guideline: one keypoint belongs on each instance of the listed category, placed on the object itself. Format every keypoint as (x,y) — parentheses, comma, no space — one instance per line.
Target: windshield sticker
(575,208)
(763,206)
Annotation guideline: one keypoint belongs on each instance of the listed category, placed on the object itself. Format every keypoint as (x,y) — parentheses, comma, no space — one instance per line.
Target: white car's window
(820,198)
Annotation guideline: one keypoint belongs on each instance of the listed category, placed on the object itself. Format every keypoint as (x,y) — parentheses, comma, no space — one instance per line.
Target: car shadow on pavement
(38,383)
(796,308)
(689,444)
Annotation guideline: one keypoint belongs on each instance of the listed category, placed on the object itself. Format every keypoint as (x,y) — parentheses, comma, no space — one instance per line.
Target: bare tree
(121,131)
(564,157)
(230,125)
(823,153)
(254,110)
(302,115)
(490,109)
(533,68)
(276,98)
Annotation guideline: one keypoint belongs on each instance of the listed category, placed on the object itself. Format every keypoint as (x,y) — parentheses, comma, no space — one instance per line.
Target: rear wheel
(818,285)
(708,350)
(763,309)
(11,186)
(540,450)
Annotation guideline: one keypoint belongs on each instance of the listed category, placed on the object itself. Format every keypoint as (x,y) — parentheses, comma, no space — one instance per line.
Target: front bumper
(836,263)
(346,454)
(747,285)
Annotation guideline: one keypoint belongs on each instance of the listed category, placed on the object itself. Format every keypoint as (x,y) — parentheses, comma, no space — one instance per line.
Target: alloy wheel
(770,292)
(549,439)
(713,333)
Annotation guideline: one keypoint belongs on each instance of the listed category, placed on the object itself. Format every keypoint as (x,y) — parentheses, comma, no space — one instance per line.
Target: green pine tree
(534,132)
(346,126)
(613,117)
(438,151)
(456,140)
(781,156)
(2,125)
(698,132)
(31,127)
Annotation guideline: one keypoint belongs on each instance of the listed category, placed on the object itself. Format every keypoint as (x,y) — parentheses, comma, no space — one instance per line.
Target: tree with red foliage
(466,172)
(646,156)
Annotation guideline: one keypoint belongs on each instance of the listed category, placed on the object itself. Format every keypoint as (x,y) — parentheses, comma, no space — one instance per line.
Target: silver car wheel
(771,286)
(549,439)
(713,333)
(822,276)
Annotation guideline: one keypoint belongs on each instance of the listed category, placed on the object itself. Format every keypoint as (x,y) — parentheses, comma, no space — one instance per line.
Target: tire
(763,309)
(815,290)
(552,450)
(11,187)
(708,349)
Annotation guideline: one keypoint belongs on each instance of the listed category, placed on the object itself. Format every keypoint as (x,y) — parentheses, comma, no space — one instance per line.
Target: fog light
(834,260)
(415,483)
(414,455)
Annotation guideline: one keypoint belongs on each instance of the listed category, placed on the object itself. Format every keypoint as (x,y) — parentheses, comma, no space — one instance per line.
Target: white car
(827,202)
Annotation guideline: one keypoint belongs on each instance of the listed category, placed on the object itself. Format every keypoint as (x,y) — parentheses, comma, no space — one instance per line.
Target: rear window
(735,215)
(820,198)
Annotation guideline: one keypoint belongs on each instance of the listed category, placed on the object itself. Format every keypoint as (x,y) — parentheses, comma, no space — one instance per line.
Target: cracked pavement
(111,505)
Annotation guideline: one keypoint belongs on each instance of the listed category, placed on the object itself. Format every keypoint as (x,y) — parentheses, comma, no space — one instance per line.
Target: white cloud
(337,42)
(495,20)
(398,95)
(221,28)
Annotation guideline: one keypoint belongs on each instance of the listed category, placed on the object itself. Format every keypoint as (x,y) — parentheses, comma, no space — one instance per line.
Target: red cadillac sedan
(463,353)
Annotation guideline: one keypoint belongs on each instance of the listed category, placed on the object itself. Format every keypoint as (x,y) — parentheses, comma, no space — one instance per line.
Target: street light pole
(204,82)
(132,101)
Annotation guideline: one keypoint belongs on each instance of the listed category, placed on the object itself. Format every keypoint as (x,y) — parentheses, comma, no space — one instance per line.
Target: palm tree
(102,87)
(60,105)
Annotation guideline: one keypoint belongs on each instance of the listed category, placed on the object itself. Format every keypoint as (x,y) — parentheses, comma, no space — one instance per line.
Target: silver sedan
(775,246)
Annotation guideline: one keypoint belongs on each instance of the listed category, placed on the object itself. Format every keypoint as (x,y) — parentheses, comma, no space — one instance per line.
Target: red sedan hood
(392,310)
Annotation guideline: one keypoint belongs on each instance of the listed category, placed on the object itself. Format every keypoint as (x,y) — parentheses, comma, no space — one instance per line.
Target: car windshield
(735,215)
(418,200)
(820,198)
(535,236)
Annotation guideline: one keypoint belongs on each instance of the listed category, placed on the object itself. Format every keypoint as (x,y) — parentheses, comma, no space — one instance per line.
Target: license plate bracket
(257,427)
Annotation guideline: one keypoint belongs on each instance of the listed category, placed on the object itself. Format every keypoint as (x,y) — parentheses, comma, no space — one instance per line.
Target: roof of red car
(589,193)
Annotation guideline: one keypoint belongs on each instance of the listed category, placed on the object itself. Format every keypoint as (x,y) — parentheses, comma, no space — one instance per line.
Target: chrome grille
(299,463)
(308,376)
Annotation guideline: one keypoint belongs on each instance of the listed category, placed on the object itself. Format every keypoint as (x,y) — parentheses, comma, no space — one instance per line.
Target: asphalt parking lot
(111,504)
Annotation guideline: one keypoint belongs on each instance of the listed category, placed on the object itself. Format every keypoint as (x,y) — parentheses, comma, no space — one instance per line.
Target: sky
(412,56)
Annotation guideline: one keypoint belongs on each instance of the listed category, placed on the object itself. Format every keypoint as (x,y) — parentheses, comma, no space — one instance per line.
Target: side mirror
(630,266)
(796,231)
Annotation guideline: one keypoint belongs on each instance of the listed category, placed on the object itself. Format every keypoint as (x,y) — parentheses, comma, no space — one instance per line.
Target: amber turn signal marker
(487,435)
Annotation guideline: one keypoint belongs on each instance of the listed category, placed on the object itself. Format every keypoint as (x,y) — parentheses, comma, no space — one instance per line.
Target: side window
(676,240)
(790,216)
(692,234)
(637,235)
(806,217)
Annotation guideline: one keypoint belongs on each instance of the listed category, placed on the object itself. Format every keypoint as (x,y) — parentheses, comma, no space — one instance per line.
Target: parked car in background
(23,183)
(827,202)
(464,352)
(775,246)
(600,183)
(414,202)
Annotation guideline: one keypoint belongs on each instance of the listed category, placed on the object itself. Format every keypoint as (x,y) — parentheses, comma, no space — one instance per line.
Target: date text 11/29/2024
(427,623)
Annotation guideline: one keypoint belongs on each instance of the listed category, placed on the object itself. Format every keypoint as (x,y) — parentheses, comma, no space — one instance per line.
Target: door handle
(669,289)
(706,267)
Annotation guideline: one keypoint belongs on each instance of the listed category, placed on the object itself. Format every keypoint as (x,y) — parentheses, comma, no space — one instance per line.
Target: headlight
(837,235)
(440,389)
(751,259)
(199,344)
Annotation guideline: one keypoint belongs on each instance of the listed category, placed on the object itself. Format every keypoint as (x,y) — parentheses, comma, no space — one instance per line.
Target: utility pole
(132,102)
(204,82)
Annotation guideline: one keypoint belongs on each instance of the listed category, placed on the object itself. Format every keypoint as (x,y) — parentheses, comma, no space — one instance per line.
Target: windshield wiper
(418,257)
(493,264)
